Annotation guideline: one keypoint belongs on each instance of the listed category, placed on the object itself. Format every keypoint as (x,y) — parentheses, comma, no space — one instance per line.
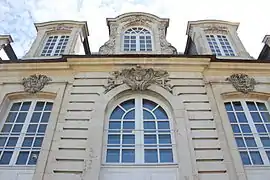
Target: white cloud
(17,18)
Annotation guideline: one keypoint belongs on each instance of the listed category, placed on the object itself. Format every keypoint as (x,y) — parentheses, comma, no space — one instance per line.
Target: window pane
(241,117)
(149,125)
(160,113)
(42,128)
(48,106)
(115,125)
(113,155)
(163,125)
(240,142)
(237,106)
(228,106)
(265,141)
(268,154)
(130,115)
(12,141)
(261,106)
(11,117)
(150,139)
(22,158)
(35,117)
(128,155)
(117,113)
(256,117)
(6,157)
(256,157)
(164,138)
(250,142)
(245,158)
(260,128)
(2,141)
(245,128)
(231,117)
(7,128)
(235,128)
(21,117)
(17,128)
(25,106)
(251,106)
(113,139)
(32,128)
(166,155)
(128,104)
(147,115)
(27,142)
(45,116)
(128,139)
(33,157)
(150,156)
(266,116)
(149,104)
(39,106)
(15,106)
(38,141)
(128,125)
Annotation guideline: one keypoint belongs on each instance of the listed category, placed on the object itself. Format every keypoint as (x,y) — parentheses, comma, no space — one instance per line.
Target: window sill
(257,167)
(140,165)
(17,167)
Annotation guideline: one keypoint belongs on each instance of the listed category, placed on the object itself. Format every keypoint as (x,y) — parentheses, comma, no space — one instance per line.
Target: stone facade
(85,89)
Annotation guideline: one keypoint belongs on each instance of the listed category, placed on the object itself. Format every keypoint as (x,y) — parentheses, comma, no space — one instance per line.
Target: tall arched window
(22,132)
(137,39)
(139,132)
(250,121)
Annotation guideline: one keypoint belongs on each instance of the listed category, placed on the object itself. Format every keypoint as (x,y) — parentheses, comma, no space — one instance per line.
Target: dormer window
(220,45)
(137,39)
(55,45)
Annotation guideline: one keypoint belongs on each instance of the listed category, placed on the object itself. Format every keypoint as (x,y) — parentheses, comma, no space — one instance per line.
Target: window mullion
(55,45)
(219,45)
(138,132)
(137,42)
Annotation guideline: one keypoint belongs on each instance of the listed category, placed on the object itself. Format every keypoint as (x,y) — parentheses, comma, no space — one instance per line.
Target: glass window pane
(7,128)
(115,125)
(265,141)
(268,127)
(245,128)
(240,142)
(17,128)
(245,158)
(48,106)
(35,117)
(163,125)
(149,104)
(11,116)
(128,139)
(45,116)
(265,116)
(237,106)
(147,115)
(113,139)
(228,106)
(235,128)
(130,115)
(261,106)
(250,142)
(15,106)
(12,141)
(260,128)
(128,125)
(268,154)
(160,113)
(2,141)
(42,128)
(149,125)
(39,106)
(256,157)
(128,155)
(150,139)
(21,117)
(25,106)
(166,155)
(241,117)
(231,117)
(164,139)
(251,106)
(113,155)
(256,117)
(22,158)
(6,156)
(128,104)
(33,157)
(27,142)
(117,113)
(150,156)
(32,128)
(38,141)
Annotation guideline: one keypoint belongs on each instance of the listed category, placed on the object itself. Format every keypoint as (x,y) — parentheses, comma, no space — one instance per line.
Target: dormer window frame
(220,45)
(139,39)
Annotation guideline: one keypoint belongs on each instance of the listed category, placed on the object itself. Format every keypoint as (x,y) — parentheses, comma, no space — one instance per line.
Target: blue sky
(17,18)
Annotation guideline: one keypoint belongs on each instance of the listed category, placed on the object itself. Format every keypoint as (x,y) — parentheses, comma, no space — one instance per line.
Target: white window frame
(218,43)
(26,123)
(139,157)
(44,52)
(260,148)
(137,39)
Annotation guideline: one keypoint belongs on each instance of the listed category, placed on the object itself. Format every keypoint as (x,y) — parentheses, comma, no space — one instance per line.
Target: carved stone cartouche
(139,79)
(242,82)
(35,83)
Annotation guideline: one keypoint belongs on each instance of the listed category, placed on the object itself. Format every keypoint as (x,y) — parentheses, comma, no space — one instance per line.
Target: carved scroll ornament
(242,83)
(139,79)
(35,83)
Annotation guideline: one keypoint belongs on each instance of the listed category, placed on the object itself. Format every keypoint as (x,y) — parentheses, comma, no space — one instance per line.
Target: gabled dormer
(55,38)
(137,32)
(215,37)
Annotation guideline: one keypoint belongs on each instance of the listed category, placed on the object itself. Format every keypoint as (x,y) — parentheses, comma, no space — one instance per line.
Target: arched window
(250,122)
(139,132)
(137,39)
(22,132)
